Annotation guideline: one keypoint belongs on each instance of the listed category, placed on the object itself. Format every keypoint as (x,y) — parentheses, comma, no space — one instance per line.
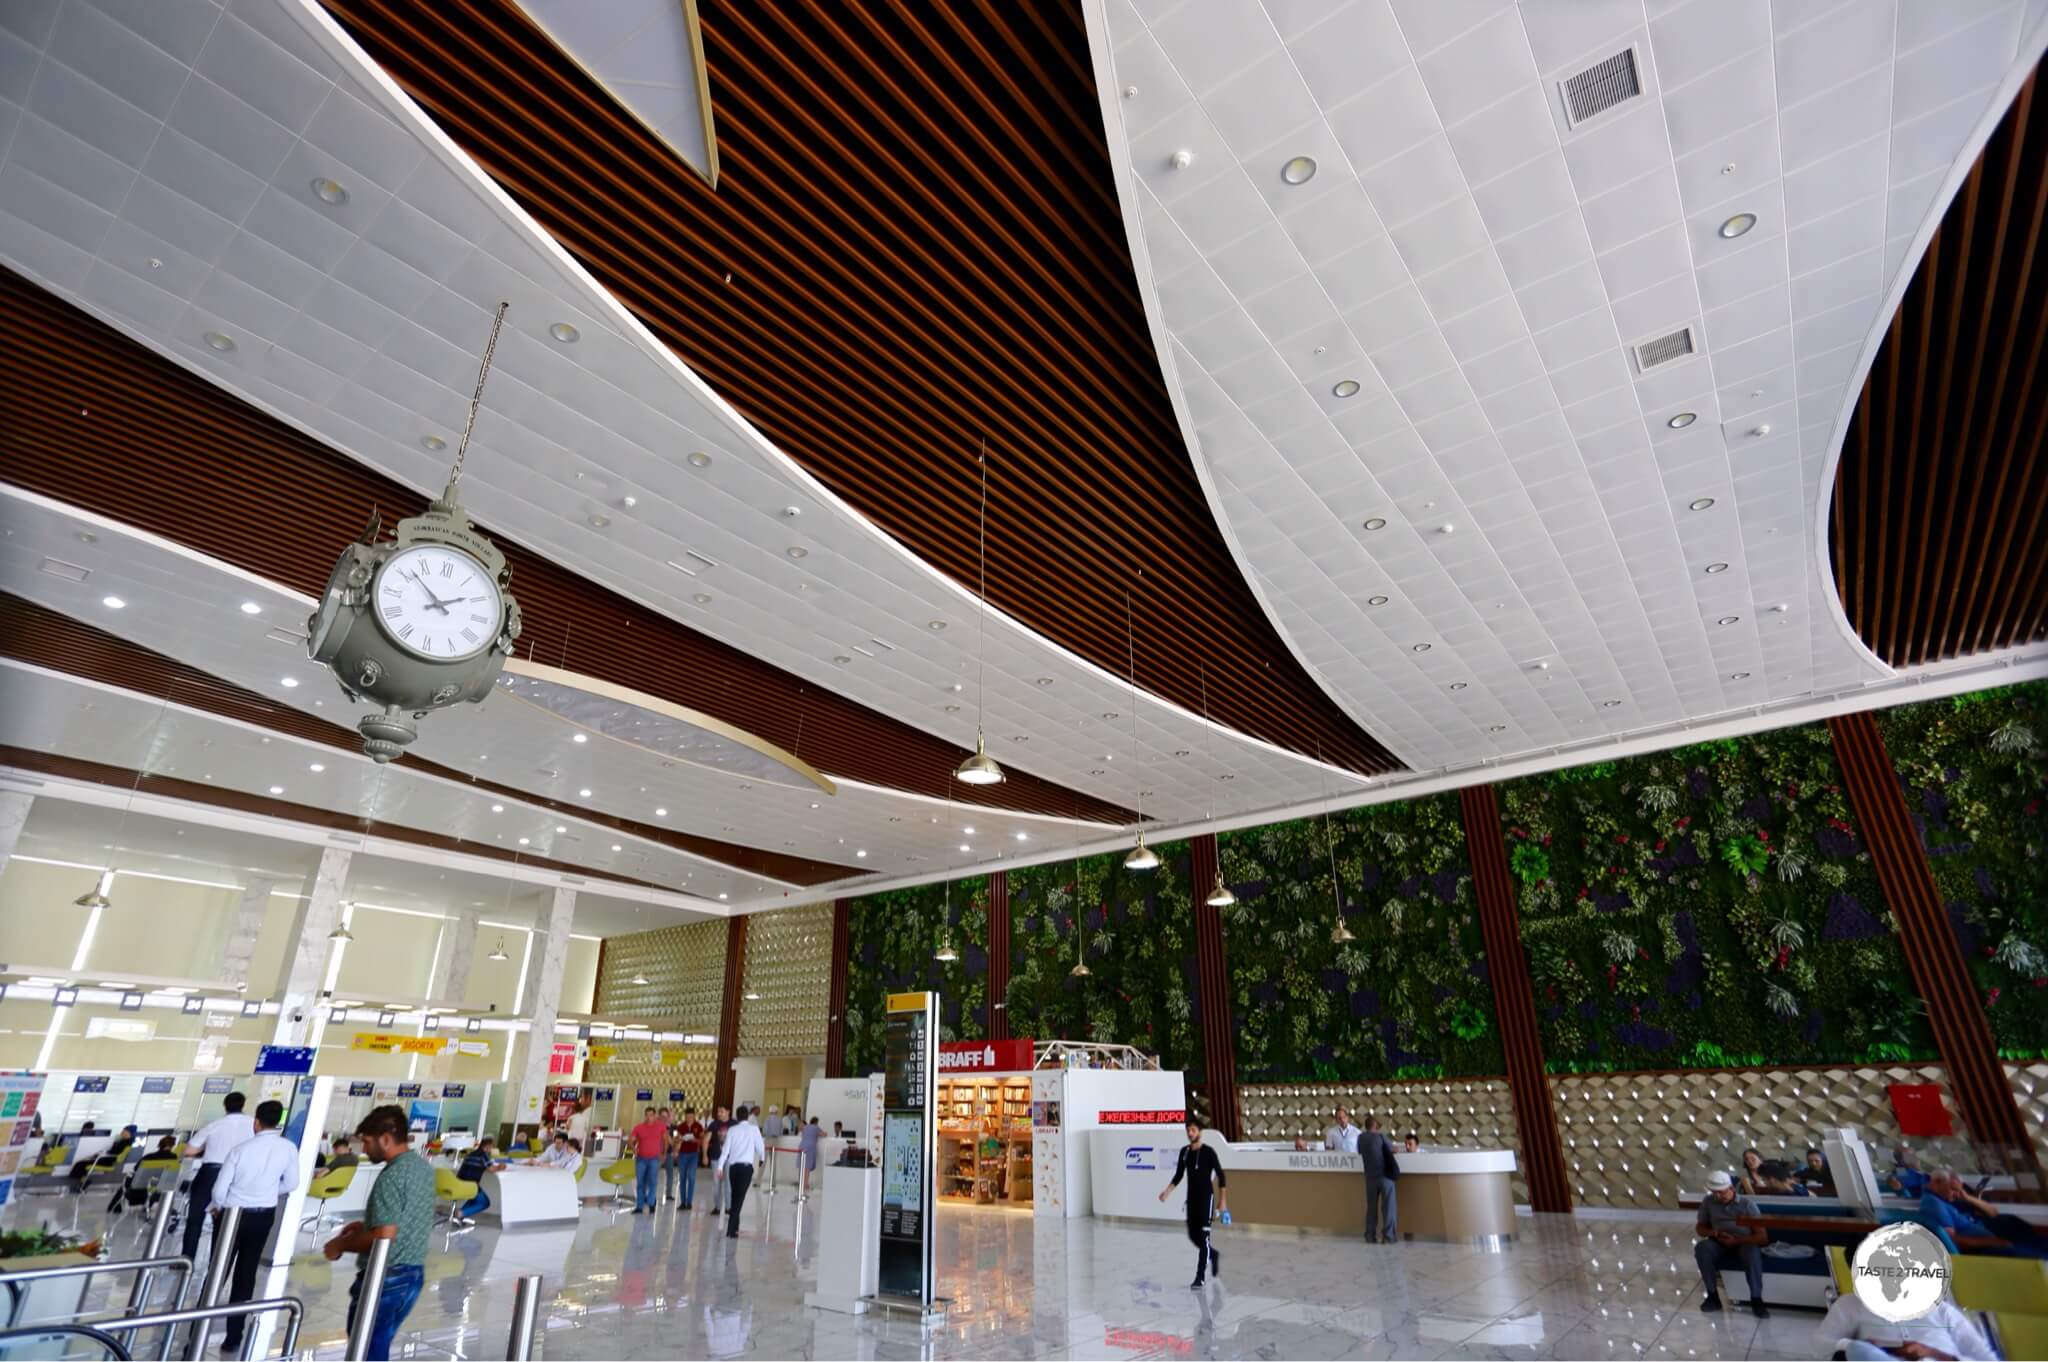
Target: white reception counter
(530,1196)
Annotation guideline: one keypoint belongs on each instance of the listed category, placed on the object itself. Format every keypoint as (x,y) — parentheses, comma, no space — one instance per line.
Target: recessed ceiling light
(755,995)
(497,808)
(1737,225)
(937,626)
(1421,647)
(1457,685)
(560,829)
(1020,737)
(277,789)
(1376,523)
(1738,676)
(797,551)
(701,598)
(1713,568)
(1498,728)
(699,459)
(215,340)
(1682,420)
(525,841)
(579,737)
(952,709)
(251,608)
(860,855)
(1609,704)
(1299,170)
(583,794)
(433,444)
(113,603)
(1729,619)
(327,191)
(289,682)
(1044,681)
(1375,600)
(564,333)
(316,768)
(965,847)
(617,847)
(1447,528)
(1701,503)
(1780,608)
(1346,388)
(598,522)
(842,659)
(661,813)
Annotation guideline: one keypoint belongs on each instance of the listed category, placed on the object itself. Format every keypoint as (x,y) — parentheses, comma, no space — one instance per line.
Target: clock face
(438,602)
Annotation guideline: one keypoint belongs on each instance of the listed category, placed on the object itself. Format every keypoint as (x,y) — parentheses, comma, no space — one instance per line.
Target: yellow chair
(620,1176)
(2022,1335)
(453,1190)
(325,1187)
(1986,1282)
(1838,1266)
(51,1159)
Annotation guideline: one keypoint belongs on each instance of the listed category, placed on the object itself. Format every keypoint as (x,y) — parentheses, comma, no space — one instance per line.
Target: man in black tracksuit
(1199,1165)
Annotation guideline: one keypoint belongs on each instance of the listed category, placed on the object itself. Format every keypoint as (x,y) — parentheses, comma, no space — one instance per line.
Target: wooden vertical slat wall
(1514,1002)
(998,1019)
(835,1003)
(729,1009)
(1212,983)
(1939,972)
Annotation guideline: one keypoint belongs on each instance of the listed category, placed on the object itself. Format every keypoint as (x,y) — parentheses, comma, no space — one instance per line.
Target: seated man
(343,1156)
(481,1159)
(1947,1203)
(1775,1177)
(561,1154)
(1725,1242)
(106,1161)
(1906,1178)
(1412,1145)
(1816,1176)
(1853,1330)
(165,1155)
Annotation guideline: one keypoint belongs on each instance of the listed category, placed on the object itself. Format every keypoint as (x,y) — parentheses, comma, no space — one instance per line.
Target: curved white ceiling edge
(2028,58)
(345,50)
(1102,57)
(1102,42)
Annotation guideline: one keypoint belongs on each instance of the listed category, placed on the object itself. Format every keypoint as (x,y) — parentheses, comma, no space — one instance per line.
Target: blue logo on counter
(1139,1156)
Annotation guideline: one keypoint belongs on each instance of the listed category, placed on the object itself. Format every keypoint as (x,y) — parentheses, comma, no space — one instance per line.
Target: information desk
(530,1196)
(1452,1194)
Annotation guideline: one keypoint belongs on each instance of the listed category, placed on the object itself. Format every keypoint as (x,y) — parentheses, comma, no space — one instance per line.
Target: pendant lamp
(498,951)
(1340,935)
(981,768)
(1220,896)
(1142,857)
(639,978)
(1080,969)
(945,954)
(94,898)
(341,933)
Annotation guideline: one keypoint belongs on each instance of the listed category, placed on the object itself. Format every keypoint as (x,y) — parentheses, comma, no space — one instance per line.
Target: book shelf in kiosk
(985,1140)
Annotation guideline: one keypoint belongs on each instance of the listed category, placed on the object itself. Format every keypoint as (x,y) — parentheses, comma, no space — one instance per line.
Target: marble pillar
(543,1001)
(243,935)
(14,809)
(461,951)
(302,1012)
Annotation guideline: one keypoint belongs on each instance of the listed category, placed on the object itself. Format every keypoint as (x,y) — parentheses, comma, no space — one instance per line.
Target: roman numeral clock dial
(437,602)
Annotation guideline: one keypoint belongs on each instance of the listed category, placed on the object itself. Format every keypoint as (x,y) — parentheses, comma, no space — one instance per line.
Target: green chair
(619,1176)
(325,1187)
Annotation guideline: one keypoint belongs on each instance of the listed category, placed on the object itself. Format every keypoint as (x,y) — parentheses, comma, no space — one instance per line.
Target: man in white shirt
(1852,1329)
(560,1154)
(214,1142)
(579,1127)
(254,1177)
(743,1149)
(1342,1137)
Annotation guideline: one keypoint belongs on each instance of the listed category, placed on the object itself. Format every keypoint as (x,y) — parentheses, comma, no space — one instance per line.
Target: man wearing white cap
(1725,1242)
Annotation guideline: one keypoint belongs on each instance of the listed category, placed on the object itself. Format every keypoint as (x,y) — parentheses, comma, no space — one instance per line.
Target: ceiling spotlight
(216,341)
(965,847)
(579,737)
(1609,704)
(1780,608)
(1375,600)
(752,995)
(861,855)
(316,768)
(1457,685)
(842,659)
(661,813)
(937,626)
(497,808)
(1142,857)
(277,789)
(1376,523)
(617,847)
(1044,681)
(1023,836)
(1728,619)
(1715,568)
(797,551)
(565,333)
(1701,503)
(583,794)
(1737,225)
(559,828)
(1182,159)
(289,682)
(1738,676)
(699,459)
(599,521)
(1497,728)
(701,598)
(433,444)
(251,608)
(526,841)
(1220,895)
(1299,170)
(1682,420)
(1346,388)
(498,951)
(113,602)
(1421,647)
(327,191)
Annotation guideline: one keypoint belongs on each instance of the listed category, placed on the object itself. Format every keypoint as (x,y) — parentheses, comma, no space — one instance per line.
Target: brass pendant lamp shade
(1340,934)
(93,899)
(498,951)
(945,953)
(1220,896)
(981,768)
(1141,856)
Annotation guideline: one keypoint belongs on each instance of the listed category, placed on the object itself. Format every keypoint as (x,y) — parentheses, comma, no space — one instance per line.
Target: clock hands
(433,602)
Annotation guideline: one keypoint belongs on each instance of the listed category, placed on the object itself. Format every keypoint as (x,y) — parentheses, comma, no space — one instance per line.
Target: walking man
(254,1177)
(1376,1152)
(714,1151)
(807,1154)
(211,1146)
(1199,1165)
(743,1149)
(650,1143)
(401,1209)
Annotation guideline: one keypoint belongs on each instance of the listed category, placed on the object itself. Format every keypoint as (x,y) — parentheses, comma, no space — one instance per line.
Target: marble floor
(672,1286)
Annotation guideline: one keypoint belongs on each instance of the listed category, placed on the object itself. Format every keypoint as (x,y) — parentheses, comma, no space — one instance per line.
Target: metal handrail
(525,1307)
(37,1274)
(170,1319)
(30,1332)
(227,1221)
(138,1299)
(369,1291)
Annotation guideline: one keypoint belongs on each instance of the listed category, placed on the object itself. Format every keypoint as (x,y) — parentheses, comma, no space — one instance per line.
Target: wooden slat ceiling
(915,244)
(44,638)
(91,418)
(1940,540)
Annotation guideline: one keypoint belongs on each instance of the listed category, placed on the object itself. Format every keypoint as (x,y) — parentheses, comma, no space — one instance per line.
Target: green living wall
(1975,774)
(1705,906)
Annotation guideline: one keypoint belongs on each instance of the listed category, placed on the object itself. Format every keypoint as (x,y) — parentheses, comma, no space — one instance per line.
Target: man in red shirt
(650,1139)
(689,1145)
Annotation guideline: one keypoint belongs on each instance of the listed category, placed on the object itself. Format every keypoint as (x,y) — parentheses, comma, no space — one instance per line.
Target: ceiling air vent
(1600,87)
(1663,349)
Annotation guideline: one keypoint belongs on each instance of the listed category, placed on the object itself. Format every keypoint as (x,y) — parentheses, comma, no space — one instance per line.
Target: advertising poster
(908,1139)
(20,1095)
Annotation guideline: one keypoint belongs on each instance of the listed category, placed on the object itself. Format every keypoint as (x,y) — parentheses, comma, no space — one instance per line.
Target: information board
(151,1086)
(908,1142)
(20,1095)
(284,1059)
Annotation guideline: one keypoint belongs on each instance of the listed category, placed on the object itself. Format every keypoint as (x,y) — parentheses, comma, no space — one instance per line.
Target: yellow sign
(386,1042)
(603,1054)
(907,1002)
(672,1058)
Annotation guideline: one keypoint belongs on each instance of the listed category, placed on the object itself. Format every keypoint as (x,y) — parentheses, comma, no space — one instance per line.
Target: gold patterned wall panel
(639,1065)
(1641,1140)
(2030,1089)
(788,982)
(1447,1113)
(685,972)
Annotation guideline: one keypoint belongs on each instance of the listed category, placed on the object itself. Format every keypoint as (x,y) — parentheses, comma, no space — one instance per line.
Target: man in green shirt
(401,1209)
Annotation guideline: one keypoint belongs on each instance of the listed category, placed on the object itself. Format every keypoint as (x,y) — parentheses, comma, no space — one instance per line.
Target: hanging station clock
(423,620)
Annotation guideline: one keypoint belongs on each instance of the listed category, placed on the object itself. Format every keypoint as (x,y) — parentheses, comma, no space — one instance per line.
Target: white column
(314,957)
(242,937)
(14,808)
(460,951)
(544,998)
